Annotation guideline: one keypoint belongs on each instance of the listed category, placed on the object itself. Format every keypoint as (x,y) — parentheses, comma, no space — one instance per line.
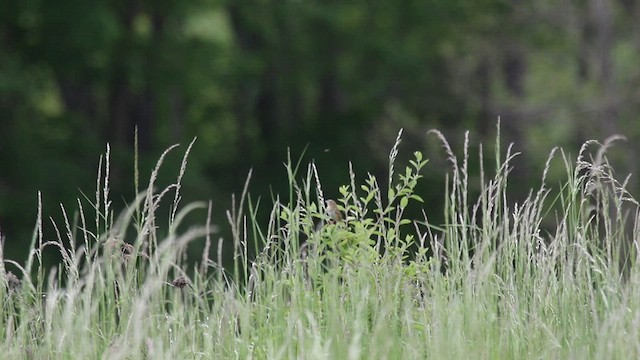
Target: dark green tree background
(252,79)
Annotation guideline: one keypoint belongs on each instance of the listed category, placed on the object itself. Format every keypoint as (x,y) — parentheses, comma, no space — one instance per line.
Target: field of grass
(552,277)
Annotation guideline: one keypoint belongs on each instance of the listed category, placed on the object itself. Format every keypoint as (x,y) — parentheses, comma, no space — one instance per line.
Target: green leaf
(418,155)
(369,197)
(391,234)
(417,198)
(404,202)
(405,222)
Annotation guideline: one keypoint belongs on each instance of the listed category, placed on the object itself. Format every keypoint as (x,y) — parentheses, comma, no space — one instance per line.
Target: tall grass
(553,276)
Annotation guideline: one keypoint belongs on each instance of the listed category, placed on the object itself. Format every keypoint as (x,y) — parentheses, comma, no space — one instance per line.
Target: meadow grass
(554,276)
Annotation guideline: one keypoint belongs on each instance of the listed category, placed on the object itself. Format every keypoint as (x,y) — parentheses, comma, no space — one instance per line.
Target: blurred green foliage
(252,79)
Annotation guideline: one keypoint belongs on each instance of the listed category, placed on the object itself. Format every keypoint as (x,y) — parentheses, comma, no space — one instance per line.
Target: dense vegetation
(553,276)
(332,80)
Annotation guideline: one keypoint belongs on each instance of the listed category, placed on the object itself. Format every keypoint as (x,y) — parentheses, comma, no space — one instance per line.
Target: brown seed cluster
(126,250)
(180,282)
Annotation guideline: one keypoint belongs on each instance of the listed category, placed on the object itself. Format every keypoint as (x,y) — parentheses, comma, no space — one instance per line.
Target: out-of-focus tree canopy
(251,79)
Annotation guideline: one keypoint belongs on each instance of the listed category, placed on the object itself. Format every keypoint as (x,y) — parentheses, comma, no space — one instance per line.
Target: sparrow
(334,213)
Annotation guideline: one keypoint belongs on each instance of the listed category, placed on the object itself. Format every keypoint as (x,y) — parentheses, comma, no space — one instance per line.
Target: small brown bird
(334,213)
